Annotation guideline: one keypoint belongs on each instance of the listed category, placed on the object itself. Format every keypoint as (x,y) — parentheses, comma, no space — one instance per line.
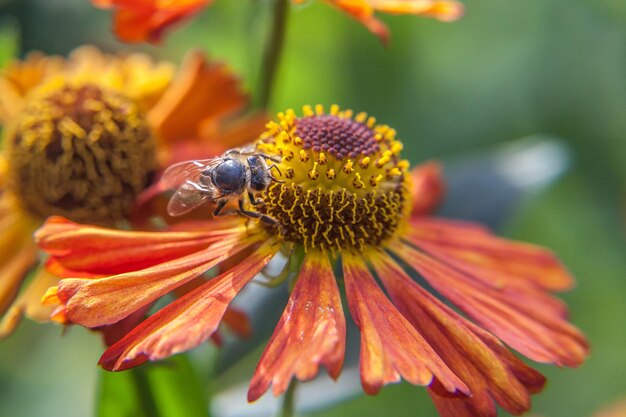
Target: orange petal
(77,249)
(20,77)
(145,20)
(444,10)
(521,321)
(489,257)
(238,322)
(311,332)
(112,333)
(362,11)
(391,348)
(617,409)
(427,188)
(29,303)
(17,256)
(202,91)
(486,373)
(98,302)
(187,321)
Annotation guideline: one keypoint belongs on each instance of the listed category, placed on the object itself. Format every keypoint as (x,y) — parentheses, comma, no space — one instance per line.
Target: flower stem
(288,406)
(144,392)
(273,51)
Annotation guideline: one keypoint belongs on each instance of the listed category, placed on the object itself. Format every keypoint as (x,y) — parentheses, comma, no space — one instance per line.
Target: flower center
(79,150)
(343,184)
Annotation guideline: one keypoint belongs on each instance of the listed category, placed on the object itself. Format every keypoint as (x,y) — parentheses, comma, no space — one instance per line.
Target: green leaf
(167,389)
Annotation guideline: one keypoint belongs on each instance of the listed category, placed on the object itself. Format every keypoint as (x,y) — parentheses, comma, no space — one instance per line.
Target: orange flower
(145,20)
(363,11)
(83,136)
(345,204)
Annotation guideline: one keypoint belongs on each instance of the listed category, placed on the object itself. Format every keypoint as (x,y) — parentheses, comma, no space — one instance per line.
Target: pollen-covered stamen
(343,183)
(81,151)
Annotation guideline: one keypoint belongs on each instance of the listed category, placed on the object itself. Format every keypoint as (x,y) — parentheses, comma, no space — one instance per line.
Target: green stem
(273,51)
(288,406)
(144,392)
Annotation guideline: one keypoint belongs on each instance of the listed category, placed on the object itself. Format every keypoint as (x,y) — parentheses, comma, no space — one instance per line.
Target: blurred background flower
(83,136)
(460,92)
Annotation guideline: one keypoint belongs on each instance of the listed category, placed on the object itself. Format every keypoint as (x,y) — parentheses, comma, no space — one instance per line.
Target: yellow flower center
(79,150)
(343,182)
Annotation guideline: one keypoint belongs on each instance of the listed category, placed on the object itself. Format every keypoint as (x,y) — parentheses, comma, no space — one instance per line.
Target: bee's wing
(178,174)
(186,198)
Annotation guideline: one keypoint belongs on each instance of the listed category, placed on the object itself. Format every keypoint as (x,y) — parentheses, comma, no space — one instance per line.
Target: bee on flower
(351,212)
(84,136)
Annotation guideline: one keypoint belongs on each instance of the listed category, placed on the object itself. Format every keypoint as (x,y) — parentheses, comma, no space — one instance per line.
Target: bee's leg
(256,215)
(254,201)
(273,178)
(219,208)
(269,168)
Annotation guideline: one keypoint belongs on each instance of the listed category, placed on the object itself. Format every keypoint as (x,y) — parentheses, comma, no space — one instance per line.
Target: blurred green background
(506,70)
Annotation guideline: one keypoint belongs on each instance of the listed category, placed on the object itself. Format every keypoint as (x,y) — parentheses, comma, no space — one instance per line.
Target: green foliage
(170,388)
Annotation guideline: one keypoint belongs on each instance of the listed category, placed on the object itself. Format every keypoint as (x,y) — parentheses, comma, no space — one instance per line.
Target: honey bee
(231,176)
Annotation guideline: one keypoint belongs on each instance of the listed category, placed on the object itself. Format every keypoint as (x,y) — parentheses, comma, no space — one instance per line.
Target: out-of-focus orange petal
(136,75)
(617,409)
(201,92)
(17,254)
(310,332)
(444,10)
(98,302)
(391,348)
(95,250)
(486,373)
(522,322)
(29,303)
(427,188)
(145,20)
(238,322)
(489,257)
(187,321)
(216,138)
(363,11)
(20,77)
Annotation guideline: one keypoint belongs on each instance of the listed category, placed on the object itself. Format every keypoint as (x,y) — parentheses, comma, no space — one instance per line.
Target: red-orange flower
(346,204)
(364,11)
(146,20)
(84,135)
